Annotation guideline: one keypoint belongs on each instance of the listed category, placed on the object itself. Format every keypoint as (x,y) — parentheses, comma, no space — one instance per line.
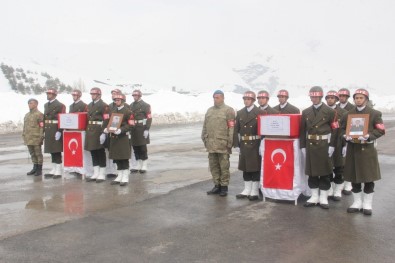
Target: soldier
(119,148)
(285,107)
(111,167)
(317,140)
(344,94)
(98,116)
(247,142)
(263,101)
(362,165)
(33,135)
(217,136)
(337,182)
(140,131)
(78,105)
(53,143)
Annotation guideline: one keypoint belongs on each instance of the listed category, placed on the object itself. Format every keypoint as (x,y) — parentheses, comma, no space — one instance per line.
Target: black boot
(215,190)
(33,171)
(224,191)
(39,170)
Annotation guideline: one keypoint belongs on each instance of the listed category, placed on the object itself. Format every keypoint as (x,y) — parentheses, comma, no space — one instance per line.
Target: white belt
(317,137)
(50,121)
(250,138)
(96,122)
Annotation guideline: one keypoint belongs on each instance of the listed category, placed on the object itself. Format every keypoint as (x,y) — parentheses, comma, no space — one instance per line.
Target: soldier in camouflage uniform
(337,182)
(344,95)
(53,142)
(140,131)
(217,136)
(98,117)
(78,105)
(318,132)
(33,135)
(285,107)
(247,141)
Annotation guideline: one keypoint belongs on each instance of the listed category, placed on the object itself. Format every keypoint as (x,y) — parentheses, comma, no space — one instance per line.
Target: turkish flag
(278,164)
(73,145)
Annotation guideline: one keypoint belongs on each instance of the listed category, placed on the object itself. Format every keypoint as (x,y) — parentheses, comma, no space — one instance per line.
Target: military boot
(39,170)
(216,189)
(33,171)
(223,190)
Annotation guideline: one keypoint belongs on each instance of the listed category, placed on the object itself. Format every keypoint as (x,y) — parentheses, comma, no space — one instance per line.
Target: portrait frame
(115,122)
(357,125)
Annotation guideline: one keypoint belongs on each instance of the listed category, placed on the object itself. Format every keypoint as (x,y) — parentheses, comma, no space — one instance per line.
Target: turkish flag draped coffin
(278,164)
(282,173)
(73,148)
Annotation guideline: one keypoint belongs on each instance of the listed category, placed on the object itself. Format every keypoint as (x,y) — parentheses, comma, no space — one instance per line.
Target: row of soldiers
(335,162)
(132,136)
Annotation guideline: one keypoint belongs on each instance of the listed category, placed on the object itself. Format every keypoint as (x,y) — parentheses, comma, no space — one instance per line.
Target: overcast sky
(196,44)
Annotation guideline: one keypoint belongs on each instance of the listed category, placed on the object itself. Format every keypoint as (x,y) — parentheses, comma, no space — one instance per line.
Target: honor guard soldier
(140,131)
(217,136)
(318,132)
(285,107)
(247,141)
(337,182)
(362,165)
(111,167)
(98,116)
(78,105)
(33,135)
(263,101)
(53,142)
(344,95)
(119,148)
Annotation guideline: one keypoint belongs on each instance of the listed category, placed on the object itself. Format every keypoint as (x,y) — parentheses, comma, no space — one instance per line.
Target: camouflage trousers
(219,167)
(36,154)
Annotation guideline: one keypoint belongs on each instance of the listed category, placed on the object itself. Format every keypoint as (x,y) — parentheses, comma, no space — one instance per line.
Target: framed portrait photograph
(115,122)
(357,125)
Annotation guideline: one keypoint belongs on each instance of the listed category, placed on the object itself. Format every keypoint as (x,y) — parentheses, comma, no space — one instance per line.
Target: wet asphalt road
(166,216)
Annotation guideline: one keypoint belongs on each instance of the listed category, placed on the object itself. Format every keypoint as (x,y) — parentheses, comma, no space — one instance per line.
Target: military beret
(218,92)
(32,100)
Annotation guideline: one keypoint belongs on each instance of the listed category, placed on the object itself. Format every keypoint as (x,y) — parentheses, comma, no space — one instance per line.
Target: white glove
(331,150)
(347,138)
(363,138)
(261,145)
(237,149)
(57,135)
(105,130)
(117,132)
(344,151)
(102,138)
(303,152)
(146,132)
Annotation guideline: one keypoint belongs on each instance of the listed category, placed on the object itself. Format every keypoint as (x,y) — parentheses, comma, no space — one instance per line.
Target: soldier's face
(95,96)
(136,97)
(360,100)
(50,96)
(282,99)
(32,105)
(262,101)
(315,100)
(248,102)
(343,98)
(76,97)
(330,100)
(118,102)
(218,99)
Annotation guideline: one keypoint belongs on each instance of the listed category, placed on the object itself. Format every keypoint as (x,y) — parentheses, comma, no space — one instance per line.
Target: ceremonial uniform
(98,116)
(217,136)
(139,132)
(247,139)
(33,135)
(318,132)
(78,106)
(51,130)
(287,109)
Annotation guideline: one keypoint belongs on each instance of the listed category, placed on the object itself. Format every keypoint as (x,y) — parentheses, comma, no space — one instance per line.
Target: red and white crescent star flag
(278,163)
(73,149)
